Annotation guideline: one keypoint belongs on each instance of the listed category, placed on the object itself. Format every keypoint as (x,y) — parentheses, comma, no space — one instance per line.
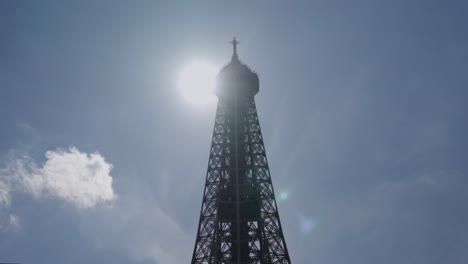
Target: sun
(197,82)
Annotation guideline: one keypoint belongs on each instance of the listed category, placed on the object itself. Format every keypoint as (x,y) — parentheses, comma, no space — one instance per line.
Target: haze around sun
(196,82)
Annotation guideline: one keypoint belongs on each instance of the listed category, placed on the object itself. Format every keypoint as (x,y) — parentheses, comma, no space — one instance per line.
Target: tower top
(236,78)
(234,43)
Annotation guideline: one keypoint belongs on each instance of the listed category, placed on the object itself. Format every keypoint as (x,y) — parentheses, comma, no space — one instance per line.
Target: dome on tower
(236,78)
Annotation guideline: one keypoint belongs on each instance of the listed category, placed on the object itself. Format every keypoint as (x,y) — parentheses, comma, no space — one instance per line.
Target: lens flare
(284,195)
(307,225)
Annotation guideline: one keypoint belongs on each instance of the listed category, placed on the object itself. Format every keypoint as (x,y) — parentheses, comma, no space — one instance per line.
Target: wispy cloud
(78,178)
(138,225)
(14,222)
(4,194)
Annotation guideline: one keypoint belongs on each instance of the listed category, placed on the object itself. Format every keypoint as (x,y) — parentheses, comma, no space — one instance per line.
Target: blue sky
(363,107)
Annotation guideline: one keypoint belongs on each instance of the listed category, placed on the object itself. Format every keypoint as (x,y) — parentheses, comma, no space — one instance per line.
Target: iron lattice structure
(239,220)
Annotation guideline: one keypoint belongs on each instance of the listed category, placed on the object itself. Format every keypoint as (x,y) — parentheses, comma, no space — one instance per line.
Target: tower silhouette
(239,220)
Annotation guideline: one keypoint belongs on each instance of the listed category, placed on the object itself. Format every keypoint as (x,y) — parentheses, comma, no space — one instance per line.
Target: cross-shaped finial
(234,43)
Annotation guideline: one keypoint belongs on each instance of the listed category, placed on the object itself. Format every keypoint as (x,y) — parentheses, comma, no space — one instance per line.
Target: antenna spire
(234,43)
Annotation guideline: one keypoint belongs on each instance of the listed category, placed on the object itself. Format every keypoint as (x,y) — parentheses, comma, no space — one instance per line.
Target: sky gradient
(363,108)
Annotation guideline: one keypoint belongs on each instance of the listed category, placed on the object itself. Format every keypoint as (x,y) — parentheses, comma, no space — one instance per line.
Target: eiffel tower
(239,220)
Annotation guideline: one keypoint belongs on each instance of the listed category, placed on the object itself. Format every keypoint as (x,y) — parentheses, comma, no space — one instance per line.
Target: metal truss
(239,220)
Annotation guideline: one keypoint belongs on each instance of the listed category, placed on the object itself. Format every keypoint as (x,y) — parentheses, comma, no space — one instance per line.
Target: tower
(239,220)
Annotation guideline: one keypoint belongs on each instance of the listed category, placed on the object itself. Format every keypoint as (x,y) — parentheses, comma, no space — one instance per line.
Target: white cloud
(81,179)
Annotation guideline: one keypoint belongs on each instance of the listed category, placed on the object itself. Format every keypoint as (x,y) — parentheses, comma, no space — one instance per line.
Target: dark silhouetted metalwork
(239,220)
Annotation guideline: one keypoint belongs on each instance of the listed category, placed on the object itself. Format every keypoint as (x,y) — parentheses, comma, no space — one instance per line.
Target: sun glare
(197,81)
